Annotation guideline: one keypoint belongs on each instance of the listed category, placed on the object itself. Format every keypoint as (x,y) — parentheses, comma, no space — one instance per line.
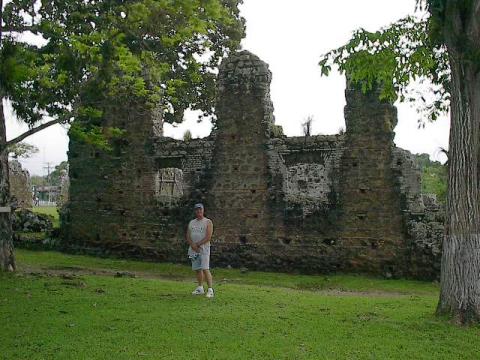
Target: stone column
(240,196)
(111,204)
(371,224)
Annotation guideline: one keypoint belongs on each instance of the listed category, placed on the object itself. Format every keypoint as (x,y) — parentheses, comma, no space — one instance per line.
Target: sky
(290,36)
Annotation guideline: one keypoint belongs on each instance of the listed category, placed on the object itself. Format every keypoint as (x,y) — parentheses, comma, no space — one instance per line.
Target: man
(199,234)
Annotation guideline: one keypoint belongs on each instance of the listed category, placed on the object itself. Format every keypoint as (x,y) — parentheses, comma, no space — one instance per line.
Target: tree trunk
(7,258)
(460,273)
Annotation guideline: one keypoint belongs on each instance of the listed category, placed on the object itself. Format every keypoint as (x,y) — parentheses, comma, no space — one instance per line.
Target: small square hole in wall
(329,242)
(243,239)
(254,191)
(374,245)
(363,191)
(361,216)
(354,164)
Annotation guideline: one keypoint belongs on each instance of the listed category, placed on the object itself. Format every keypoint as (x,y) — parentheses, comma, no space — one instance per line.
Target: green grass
(55,260)
(254,315)
(49,210)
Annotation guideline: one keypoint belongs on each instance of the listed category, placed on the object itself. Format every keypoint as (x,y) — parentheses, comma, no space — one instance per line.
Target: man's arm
(209,234)
(189,240)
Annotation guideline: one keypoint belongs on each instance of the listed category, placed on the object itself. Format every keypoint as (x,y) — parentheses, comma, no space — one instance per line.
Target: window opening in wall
(329,242)
(169,185)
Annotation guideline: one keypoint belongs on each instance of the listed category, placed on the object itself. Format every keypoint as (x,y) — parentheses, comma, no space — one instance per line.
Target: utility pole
(48,167)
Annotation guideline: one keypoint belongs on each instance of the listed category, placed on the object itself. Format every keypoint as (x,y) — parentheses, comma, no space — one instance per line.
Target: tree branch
(33,28)
(30,132)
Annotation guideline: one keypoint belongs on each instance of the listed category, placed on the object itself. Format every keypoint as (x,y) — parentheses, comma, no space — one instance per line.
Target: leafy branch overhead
(164,53)
(22,150)
(403,54)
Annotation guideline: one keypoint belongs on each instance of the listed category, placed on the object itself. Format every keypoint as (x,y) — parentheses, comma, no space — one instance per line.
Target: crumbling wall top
(244,71)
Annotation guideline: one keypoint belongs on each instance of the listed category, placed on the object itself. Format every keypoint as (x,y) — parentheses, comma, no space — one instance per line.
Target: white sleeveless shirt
(198,232)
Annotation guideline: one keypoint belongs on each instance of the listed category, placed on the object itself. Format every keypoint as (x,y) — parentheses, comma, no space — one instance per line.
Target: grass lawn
(73,307)
(49,210)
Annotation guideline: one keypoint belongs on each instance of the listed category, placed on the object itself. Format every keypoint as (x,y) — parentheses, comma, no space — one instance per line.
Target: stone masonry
(346,203)
(20,186)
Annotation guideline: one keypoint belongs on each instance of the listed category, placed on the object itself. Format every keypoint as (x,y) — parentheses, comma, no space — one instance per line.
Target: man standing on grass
(199,234)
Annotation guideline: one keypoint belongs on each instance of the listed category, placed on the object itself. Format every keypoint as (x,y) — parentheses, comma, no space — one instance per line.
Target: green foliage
(163,53)
(80,315)
(187,135)
(50,211)
(396,57)
(37,180)
(434,177)
(277,131)
(97,136)
(22,150)
(57,174)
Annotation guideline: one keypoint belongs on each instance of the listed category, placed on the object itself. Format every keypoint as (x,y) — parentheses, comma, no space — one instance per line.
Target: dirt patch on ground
(74,271)
(70,272)
(373,294)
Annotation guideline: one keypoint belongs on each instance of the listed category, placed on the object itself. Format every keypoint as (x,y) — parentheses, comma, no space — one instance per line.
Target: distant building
(47,194)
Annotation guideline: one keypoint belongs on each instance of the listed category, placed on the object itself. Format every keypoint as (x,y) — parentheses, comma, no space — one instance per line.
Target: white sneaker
(198,291)
(210,293)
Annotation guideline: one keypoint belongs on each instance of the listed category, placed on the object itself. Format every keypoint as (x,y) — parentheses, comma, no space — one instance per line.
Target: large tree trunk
(460,277)
(7,259)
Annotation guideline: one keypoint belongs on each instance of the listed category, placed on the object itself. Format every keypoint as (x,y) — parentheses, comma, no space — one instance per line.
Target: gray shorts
(201,262)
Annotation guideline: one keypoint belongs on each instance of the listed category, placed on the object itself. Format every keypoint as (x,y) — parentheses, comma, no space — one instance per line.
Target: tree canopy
(400,57)
(84,54)
(163,52)
(441,46)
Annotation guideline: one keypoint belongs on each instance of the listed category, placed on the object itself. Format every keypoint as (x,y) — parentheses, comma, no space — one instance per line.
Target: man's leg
(208,276)
(200,277)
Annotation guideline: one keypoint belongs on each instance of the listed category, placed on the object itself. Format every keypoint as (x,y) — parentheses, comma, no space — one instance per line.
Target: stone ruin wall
(20,185)
(342,203)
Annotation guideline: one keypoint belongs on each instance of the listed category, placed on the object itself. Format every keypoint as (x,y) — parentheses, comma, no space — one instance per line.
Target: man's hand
(195,247)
